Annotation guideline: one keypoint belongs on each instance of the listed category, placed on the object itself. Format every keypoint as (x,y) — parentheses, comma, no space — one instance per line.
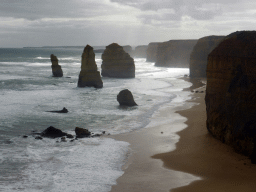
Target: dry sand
(199,162)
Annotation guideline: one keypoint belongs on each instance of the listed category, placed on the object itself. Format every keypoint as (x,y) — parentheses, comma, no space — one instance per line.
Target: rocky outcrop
(174,53)
(52,132)
(89,76)
(199,55)
(152,51)
(117,63)
(125,98)
(140,51)
(231,92)
(56,68)
(81,132)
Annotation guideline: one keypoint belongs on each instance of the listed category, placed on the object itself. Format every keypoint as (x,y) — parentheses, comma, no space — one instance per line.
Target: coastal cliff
(199,54)
(174,53)
(56,68)
(231,92)
(151,52)
(89,76)
(140,51)
(117,63)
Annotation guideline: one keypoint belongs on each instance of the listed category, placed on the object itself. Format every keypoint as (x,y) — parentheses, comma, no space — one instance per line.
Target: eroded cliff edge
(231,92)
(174,53)
(199,55)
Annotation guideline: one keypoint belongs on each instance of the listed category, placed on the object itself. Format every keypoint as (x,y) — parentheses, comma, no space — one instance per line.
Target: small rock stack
(56,68)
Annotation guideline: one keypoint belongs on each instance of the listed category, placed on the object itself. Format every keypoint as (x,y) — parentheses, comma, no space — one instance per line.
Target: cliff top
(237,44)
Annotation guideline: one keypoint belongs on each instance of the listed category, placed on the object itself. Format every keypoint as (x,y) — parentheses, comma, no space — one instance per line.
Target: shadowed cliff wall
(174,53)
(231,92)
(151,52)
(199,54)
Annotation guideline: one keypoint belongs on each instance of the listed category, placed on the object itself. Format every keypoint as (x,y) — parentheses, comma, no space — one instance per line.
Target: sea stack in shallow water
(117,63)
(152,51)
(125,98)
(199,55)
(56,68)
(89,76)
(231,92)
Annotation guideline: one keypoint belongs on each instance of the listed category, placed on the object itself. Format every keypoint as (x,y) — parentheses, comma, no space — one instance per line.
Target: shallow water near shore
(28,90)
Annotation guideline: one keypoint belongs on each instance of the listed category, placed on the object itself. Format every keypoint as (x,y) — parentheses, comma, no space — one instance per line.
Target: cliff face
(89,76)
(199,54)
(174,53)
(141,51)
(56,68)
(231,92)
(117,63)
(151,52)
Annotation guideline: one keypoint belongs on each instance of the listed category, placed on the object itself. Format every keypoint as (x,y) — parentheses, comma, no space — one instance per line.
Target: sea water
(28,90)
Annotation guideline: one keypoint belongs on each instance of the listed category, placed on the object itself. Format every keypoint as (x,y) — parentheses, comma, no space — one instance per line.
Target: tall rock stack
(151,52)
(174,53)
(117,63)
(89,76)
(199,55)
(56,68)
(231,92)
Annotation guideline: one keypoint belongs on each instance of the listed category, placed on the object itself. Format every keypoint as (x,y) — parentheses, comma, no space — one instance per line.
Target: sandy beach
(197,163)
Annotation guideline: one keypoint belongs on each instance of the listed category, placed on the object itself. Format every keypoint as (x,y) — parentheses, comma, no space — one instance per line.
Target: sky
(126,22)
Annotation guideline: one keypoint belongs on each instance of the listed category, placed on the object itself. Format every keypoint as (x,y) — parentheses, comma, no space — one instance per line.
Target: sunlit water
(28,90)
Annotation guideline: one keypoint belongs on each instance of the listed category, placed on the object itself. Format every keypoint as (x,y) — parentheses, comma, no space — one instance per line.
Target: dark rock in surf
(56,68)
(64,110)
(125,98)
(52,132)
(81,132)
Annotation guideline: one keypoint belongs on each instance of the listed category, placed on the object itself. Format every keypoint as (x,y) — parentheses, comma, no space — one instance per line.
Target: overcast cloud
(134,22)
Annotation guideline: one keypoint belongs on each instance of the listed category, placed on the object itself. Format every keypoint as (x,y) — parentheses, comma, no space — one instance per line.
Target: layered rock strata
(56,68)
(152,51)
(174,53)
(231,92)
(117,63)
(199,55)
(89,76)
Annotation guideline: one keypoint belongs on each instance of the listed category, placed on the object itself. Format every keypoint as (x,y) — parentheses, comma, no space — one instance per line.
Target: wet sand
(199,162)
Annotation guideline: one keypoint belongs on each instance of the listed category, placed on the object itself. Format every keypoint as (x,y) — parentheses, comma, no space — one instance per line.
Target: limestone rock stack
(199,55)
(117,63)
(174,53)
(56,68)
(89,76)
(151,52)
(231,92)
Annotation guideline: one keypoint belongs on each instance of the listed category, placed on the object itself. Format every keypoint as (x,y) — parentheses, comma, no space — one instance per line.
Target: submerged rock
(89,76)
(117,63)
(64,110)
(125,98)
(231,92)
(56,68)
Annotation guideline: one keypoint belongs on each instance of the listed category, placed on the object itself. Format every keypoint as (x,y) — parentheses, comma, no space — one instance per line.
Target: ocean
(28,90)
